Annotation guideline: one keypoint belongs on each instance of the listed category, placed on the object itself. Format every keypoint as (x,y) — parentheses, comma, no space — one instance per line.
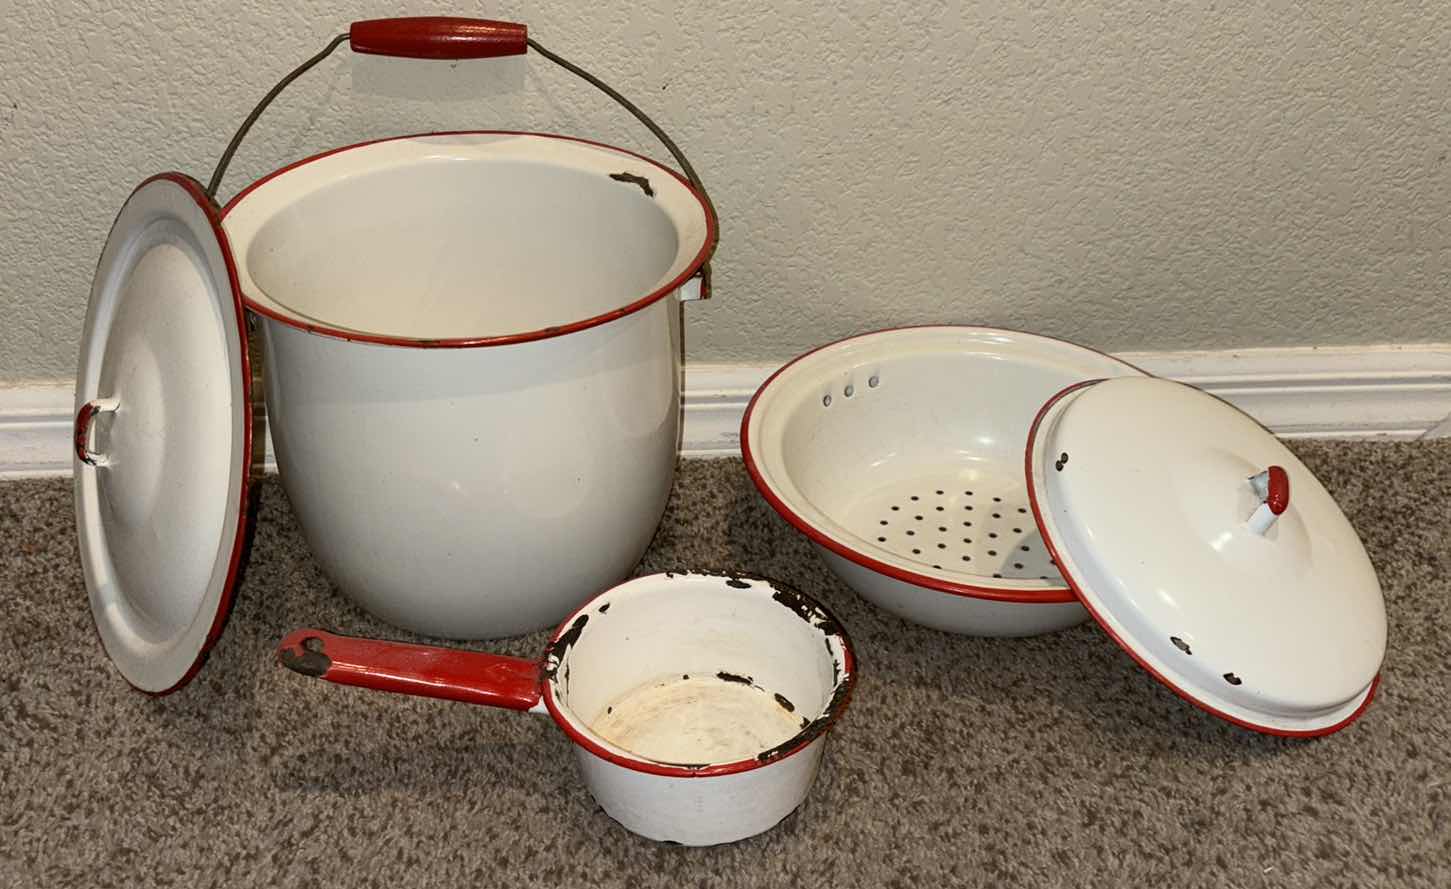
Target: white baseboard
(1388,392)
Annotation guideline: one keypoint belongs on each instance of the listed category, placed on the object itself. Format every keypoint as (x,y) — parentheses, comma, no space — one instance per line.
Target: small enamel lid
(1209,553)
(162,434)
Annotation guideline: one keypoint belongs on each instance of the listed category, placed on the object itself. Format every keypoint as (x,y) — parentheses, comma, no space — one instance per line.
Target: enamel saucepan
(698,705)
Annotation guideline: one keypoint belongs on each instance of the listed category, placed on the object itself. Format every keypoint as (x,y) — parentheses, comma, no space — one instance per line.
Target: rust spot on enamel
(309,660)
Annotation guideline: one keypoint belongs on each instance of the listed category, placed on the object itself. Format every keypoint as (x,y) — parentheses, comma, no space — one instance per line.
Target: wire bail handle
(446,37)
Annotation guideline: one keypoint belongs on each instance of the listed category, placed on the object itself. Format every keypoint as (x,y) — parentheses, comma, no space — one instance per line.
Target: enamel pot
(698,705)
(472,355)
(472,366)
(472,372)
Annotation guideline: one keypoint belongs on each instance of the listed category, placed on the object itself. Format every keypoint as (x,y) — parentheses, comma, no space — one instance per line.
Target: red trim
(1279,490)
(224,605)
(1038,596)
(814,730)
(707,248)
(1074,584)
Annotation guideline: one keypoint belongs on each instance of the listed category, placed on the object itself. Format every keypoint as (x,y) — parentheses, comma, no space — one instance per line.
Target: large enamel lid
(1209,552)
(163,434)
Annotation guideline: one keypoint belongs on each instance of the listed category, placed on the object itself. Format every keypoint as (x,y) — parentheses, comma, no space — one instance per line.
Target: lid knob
(1273,488)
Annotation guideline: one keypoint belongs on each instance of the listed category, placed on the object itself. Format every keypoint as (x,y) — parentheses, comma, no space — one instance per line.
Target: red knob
(1278,496)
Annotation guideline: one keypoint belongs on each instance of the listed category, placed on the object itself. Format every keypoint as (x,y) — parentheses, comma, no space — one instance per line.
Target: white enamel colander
(900,454)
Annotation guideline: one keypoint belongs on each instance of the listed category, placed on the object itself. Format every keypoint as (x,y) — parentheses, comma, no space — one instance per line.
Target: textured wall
(1134,174)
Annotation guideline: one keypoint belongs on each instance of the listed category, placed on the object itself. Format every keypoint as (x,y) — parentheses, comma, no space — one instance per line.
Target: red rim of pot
(796,743)
(1040,596)
(707,248)
(1119,640)
(229,589)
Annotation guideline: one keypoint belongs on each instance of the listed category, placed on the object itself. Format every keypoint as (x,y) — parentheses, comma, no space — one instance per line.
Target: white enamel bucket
(472,354)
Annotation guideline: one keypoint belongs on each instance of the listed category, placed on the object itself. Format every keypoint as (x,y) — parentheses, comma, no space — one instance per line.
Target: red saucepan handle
(438,37)
(449,673)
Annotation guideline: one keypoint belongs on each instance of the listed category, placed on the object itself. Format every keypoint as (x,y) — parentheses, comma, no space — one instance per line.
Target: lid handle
(1273,488)
(438,37)
(82,429)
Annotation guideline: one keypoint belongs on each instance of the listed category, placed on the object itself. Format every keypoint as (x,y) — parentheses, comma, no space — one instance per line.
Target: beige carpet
(1044,762)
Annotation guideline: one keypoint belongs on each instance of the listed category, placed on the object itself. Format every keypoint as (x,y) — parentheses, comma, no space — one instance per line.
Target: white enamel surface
(702,811)
(478,493)
(913,412)
(463,236)
(640,641)
(158,522)
(954,614)
(1149,516)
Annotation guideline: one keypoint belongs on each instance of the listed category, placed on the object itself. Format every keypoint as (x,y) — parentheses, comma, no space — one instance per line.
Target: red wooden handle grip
(449,673)
(1279,490)
(438,37)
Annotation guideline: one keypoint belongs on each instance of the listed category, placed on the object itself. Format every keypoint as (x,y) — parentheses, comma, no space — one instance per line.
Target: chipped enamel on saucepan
(697,704)
(900,454)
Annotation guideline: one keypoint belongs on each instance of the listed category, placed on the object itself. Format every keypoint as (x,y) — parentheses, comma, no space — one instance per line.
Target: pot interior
(692,670)
(474,236)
